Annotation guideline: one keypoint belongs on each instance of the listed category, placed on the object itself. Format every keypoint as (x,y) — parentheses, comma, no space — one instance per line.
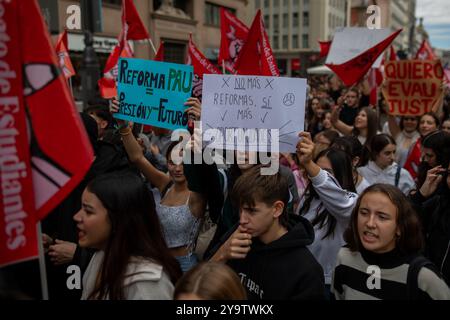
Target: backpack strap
(397,175)
(412,280)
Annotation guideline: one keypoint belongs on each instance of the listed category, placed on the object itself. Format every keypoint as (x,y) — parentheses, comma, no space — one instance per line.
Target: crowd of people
(365,189)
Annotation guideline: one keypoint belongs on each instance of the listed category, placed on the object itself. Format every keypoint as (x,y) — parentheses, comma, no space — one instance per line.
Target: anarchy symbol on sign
(289,99)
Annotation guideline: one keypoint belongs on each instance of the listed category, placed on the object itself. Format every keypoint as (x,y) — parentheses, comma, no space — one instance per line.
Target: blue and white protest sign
(153,92)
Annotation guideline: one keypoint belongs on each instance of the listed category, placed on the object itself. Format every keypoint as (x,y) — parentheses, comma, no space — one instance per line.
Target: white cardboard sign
(233,104)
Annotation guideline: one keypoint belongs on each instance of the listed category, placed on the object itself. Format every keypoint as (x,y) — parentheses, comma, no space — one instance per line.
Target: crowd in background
(363,189)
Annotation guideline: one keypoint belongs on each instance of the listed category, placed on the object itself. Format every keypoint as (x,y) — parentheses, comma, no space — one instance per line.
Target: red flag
(353,70)
(60,151)
(324,48)
(256,56)
(160,54)
(413,160)
(132,24)
(425,52)
(18,239)
(201,66)
(107,84)
(233,35)
(57,168)
(392,54)
(63,55)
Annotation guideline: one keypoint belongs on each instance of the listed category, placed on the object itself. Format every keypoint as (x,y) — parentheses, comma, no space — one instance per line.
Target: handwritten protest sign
(243,107)
(153,92)
(412,87)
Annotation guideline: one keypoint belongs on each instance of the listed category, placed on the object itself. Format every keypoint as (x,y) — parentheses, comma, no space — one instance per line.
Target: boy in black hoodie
(268,248)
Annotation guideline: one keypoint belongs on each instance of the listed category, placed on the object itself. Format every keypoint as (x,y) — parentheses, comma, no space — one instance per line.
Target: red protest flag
(392,54)
(62,50)
(107,87)
(201,65)
(160,54)
(414,158)
(256,57)
(61,153)
(107,84)
(132,24)
(354,69)
(425,52)
(324,48)
(233,35)
(18,238)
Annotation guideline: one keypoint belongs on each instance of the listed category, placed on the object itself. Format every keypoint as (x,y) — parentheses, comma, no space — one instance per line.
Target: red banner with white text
(18,239)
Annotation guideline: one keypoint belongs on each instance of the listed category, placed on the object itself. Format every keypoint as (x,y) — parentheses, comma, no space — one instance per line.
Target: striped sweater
(369,276)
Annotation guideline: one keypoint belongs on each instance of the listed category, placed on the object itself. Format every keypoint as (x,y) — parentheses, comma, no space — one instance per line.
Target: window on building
(295,19)
(116,2)
(285,20)
(275,42)
(257,4)
(276,22)
(276,3)
(285,42)
(305,41)
(174,51)
(266,3)
(179,4)
(266,21)
(305,19)
(295,41)
(212,14)
(285,3)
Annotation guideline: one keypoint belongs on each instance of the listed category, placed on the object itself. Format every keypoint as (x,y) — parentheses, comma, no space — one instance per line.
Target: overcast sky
(436,14)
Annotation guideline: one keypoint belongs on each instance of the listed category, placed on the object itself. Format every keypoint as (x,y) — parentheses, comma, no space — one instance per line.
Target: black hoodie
(283,269)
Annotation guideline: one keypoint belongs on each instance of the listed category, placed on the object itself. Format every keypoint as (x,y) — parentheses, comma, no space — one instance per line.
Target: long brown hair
(211,281)
(410,239)
(135,232)
(372,124)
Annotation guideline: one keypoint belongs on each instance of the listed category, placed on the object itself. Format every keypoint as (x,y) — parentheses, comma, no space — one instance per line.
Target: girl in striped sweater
(381,259)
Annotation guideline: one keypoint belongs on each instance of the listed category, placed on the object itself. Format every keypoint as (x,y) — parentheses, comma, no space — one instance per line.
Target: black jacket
(435,216)
(283,269)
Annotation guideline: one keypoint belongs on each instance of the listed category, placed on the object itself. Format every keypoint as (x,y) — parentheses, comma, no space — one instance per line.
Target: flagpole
(70,86)
(152,45)
(42,270)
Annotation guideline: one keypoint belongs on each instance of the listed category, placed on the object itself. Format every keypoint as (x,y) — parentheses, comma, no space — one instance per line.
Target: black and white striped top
(369,276)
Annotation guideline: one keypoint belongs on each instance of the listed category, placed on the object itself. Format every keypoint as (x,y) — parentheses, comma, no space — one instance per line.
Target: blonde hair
(211,281)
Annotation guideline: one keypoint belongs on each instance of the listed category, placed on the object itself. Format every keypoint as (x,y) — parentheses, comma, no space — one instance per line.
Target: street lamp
(91,18)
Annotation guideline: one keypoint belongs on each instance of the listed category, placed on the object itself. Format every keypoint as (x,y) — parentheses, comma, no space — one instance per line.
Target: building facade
(295,26)
(394,14)
(170,21)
